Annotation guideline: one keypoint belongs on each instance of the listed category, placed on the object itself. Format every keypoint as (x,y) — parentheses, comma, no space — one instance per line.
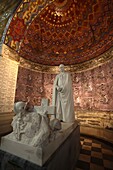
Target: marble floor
(95,155)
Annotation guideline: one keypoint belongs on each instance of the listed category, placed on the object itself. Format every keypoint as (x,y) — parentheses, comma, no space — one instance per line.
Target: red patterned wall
(93,89)
(29,84)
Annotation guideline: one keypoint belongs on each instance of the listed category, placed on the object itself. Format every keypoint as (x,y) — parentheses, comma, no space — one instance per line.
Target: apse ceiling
(62,31)
(7,8)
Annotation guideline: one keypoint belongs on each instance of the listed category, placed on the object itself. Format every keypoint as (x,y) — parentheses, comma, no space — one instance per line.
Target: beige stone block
(8,72)
(106,123)
(111,115)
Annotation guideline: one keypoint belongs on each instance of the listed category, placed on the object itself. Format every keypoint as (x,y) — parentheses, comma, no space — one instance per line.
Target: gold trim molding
(102,59)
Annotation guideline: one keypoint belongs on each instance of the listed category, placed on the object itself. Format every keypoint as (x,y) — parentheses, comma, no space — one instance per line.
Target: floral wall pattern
(93,89)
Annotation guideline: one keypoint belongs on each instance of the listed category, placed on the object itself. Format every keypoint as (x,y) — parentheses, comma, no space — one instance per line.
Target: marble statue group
(35,127)
(44,134)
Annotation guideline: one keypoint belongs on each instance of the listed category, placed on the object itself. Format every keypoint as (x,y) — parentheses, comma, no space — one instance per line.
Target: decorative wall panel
(29,84)
(93,93)
(34,85)
(93,89)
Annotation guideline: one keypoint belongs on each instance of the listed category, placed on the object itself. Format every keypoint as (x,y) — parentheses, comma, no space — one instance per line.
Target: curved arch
(7,9)
(21,20)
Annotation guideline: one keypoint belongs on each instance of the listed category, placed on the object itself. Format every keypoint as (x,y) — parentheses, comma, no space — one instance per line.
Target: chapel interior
(36,36)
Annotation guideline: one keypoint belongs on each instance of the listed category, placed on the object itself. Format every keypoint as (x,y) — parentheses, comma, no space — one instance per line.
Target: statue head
(61,67)
(19,107)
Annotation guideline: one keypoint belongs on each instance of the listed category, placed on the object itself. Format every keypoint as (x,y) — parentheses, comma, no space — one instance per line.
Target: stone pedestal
(60,154)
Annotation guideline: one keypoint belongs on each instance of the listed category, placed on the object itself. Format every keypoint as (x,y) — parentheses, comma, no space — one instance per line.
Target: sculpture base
(41,156)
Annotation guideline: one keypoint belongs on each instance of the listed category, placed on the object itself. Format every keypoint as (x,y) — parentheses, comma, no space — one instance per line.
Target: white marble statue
(36,139)
(18,120)
(63,96)
(33,128)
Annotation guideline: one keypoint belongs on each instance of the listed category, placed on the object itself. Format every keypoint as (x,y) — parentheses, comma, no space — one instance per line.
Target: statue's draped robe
(63,100)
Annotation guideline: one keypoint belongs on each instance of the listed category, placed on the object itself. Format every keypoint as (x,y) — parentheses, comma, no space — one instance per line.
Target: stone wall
(98,119)
(8,77)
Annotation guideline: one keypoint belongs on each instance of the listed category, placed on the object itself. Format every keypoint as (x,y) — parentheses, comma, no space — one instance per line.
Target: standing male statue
(63,96)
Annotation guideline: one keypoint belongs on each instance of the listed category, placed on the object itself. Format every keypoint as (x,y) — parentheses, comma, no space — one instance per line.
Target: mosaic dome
(63,31)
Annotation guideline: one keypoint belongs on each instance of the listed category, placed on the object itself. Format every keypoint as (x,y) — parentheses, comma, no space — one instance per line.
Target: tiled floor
(95,155)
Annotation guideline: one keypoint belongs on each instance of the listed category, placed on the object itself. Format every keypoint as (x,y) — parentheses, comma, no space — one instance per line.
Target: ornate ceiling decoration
(78,68)
(64,31)
(7,8)
(21,20)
